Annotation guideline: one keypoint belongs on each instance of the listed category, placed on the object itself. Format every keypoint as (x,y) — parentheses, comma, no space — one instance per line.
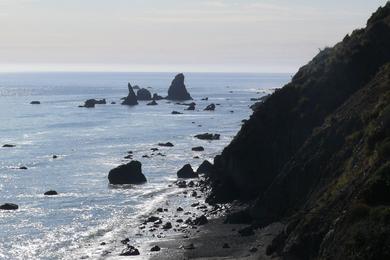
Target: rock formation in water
(144,94)
(90,103)
(9,206)
(316,153)
(131,98)
(130,173)
(177,90)
(186,172)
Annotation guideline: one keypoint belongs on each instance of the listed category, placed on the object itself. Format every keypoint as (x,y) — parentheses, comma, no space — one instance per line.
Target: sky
(173,35)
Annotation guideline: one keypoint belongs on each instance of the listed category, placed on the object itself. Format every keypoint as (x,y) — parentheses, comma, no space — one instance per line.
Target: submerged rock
(167,144)
(153,103)
(9,206)
(210,107)
(187,172)
(9,145)
(131,99)
(157,97)
(130,173)
(177,90)
(90,103)
(191,106)
(51,193)
(207,136)
(144,94)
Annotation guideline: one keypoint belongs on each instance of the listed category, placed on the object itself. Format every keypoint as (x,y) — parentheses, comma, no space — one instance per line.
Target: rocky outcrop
(177,90)
(130,173)
(144,95)
(186,172)
(316,153)
(131,99)
(206,168)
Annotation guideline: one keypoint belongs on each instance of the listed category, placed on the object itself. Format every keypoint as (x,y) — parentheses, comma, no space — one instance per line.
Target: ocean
(88,142)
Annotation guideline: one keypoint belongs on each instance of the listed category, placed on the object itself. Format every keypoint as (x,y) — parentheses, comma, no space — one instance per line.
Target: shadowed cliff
(316,153)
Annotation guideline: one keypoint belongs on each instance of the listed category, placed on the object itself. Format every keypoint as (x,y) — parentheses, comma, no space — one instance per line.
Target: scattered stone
(210,107)
(9,145)
(187,172)
(55,156)
(113,103)
(9,206)
(153,103)
(155,249)
(51,193)
(205,99)
(181,184)
(202,220)
(103,243)
(168,144)
(152,219)
(131,98)
(22,168)
(167,226)
(144,94)
(128,157)
(195,204)
(35,102)
(198,149)
(179,220)
(177,90)
(194,194)
(130,251)
(154,149)
(207,136)
(130,173)
(191,184)
(176,113)
(160,210)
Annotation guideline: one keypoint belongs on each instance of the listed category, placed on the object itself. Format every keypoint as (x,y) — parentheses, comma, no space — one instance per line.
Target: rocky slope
(316,153)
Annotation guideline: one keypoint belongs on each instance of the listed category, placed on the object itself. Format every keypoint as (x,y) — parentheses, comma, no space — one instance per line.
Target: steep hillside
(316,153)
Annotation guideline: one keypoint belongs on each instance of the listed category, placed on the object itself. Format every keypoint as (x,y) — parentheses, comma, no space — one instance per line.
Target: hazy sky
(173,35)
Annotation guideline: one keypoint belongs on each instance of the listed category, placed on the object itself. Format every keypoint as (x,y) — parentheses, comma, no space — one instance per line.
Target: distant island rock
(90,103)
(131,99)
(177,90)
(130,173)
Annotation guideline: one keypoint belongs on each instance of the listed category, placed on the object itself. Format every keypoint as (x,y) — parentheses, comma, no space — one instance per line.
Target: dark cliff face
(316,153)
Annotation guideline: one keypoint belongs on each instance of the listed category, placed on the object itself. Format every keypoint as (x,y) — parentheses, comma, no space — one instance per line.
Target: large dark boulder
(187,172)
(144,94)
(131,99)
(9,206)
(177,90)
(206,168)
(130,173)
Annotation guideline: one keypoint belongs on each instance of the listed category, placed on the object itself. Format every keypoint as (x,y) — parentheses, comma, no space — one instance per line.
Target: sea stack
(130,173)
(131,99)
(177,90)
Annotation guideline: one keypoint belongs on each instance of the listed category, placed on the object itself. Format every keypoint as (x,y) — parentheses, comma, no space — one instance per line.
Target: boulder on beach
(208,136)
(90,103)
(35,102)
(50,193)
(131,99)
(210,107)
(187,172)
(144,94)
(9,206)
(205,167)
(157,97)
(130,173)
(153,103)
(177,90)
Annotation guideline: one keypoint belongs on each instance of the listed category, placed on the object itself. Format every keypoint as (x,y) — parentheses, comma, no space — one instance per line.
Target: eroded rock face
(131,99)
(130,173)
(177,90)
(144,94)
(187,172)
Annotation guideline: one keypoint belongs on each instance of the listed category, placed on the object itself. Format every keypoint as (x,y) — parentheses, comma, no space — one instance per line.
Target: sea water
(89,142)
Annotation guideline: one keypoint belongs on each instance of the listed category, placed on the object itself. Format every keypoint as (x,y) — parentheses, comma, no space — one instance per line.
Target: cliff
(316,153)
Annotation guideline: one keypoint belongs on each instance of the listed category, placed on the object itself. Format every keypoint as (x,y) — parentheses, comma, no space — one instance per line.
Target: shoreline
(186,239)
